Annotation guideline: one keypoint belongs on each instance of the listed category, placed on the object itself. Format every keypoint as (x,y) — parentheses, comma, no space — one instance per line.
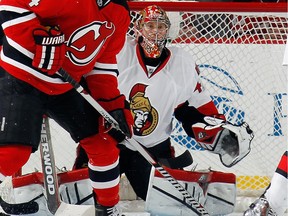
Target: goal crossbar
(212,6)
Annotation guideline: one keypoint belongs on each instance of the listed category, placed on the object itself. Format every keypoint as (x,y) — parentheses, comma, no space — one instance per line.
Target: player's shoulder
(129,44)
(179,51)
(179,54)
(116,11)
(127,51)
(104,3)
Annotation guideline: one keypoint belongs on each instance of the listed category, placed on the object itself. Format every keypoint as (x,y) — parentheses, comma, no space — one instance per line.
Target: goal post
(239,48)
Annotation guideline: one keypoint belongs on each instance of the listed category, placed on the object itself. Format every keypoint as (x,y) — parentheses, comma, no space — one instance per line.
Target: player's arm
(202,121)
(102,80)
(199,104)
(27,38)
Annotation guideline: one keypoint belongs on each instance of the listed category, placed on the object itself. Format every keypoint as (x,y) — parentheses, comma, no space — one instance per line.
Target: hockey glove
(214,133)
(189,116)
(50,49)
(231,142)
(118,108)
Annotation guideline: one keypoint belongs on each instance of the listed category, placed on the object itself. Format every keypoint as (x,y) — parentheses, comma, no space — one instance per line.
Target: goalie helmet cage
(239,48)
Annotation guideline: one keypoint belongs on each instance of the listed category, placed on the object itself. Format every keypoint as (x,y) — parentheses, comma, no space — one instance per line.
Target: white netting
(240,57)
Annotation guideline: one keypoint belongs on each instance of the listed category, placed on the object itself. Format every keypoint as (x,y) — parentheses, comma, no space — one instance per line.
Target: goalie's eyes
(159,26)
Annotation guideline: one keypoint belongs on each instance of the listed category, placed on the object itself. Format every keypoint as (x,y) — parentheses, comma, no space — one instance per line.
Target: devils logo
(79,51)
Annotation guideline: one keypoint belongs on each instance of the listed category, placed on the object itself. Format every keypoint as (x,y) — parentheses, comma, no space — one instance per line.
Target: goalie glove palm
(231,142)
(50,49)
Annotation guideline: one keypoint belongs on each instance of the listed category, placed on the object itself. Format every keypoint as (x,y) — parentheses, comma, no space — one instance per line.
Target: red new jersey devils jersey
(94,33)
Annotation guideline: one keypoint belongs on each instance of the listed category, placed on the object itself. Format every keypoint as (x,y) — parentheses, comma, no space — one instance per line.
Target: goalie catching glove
(231,142)
(50,49)
(213,133)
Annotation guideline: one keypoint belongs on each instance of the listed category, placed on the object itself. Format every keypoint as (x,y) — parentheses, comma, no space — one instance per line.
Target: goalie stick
(181,161)
(195,206)
(50,179)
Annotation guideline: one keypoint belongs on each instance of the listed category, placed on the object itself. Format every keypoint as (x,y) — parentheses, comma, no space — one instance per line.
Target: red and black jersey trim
(11,52)
(116,71)
(121,2)
(14,54)
(9,15)
(1,36)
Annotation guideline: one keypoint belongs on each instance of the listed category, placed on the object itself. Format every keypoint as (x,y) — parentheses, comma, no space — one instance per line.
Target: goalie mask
(152,30)
(230,142)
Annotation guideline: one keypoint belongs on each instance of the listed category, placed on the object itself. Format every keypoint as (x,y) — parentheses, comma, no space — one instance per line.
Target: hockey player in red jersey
(274,200)
(159,82)
(82,37)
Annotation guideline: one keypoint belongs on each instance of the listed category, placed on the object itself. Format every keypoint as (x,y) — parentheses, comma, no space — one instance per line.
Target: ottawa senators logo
(144,115)
(86,42)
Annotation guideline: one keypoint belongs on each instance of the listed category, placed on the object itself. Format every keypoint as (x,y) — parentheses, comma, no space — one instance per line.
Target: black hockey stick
(195,206)
(48,168)
(29,207)
(181,161)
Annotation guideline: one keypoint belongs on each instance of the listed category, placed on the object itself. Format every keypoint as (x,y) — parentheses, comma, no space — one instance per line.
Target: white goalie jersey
(155,92)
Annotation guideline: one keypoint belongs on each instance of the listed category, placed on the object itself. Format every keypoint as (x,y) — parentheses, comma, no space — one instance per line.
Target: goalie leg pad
(216,191)
(78,193)
(29,200)
(75,187)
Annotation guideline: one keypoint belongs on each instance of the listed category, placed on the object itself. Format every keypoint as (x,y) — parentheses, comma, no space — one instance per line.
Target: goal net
(239,48)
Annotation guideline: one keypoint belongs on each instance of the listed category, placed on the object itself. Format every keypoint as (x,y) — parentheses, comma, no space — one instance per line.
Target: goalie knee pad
(32,192)
(75,187)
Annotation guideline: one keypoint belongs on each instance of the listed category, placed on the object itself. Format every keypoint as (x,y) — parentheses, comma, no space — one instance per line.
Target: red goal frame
(213,6)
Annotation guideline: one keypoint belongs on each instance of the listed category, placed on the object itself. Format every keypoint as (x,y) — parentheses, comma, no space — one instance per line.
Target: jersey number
(34,3)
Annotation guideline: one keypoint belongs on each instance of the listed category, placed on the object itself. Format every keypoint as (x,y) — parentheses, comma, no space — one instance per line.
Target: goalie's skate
(107,211)
(260,207)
